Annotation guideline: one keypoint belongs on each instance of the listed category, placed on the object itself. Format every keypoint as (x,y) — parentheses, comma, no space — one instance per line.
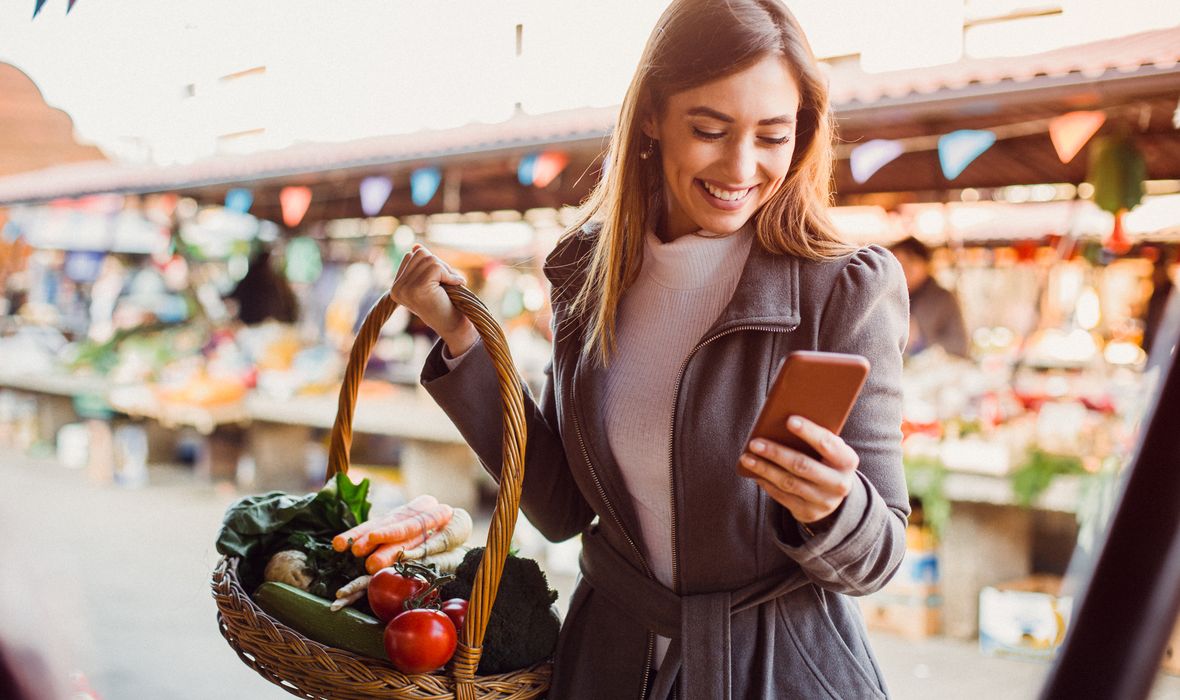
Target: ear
(648,124)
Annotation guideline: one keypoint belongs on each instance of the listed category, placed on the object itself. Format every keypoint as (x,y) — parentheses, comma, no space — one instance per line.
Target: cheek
(684,159)
(776,172)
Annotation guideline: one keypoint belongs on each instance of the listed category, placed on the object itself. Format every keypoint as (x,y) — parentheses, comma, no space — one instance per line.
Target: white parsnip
(446,562)
(341,603)
(357,585)
(455,534)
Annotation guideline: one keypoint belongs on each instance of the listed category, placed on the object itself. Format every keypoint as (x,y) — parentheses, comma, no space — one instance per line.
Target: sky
(342,70)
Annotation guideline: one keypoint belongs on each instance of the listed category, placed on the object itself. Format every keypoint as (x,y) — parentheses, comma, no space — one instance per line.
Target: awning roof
(1129,73)
(1158,49)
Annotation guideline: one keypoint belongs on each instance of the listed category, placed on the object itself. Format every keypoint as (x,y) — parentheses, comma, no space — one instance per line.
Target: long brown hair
(696,42)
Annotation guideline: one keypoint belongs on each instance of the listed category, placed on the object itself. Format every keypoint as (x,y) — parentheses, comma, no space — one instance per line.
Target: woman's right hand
(418,287)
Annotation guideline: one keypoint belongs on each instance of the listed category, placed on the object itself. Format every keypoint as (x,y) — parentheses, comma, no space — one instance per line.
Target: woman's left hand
(810,489)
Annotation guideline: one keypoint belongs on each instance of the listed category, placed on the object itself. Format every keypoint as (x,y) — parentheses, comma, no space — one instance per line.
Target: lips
(726,194)
(725,198)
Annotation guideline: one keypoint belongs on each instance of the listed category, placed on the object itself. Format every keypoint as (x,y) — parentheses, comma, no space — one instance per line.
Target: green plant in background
(925,477)
(1031,479)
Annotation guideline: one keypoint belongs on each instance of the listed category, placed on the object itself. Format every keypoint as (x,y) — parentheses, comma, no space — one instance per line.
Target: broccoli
(523,626)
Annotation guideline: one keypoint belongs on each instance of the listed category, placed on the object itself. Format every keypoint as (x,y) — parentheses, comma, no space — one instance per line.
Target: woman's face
(726,147)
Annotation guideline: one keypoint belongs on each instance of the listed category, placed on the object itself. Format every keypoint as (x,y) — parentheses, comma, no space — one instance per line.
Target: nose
(741,161)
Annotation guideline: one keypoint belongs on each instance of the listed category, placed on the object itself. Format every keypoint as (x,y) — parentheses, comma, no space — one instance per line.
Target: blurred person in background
(264,293)
(701,259)
(1161,290)
(935,316)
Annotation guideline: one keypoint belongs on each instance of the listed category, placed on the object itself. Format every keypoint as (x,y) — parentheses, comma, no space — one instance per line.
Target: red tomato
(420,640)
(456,609)
(389,591)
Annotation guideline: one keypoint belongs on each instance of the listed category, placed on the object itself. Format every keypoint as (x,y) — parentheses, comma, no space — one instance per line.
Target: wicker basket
(306,668)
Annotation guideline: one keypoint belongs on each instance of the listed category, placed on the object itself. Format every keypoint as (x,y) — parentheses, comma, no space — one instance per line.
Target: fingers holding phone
(803,463)
(811,489)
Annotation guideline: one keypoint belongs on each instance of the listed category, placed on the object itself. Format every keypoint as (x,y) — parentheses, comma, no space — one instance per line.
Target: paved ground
(119,580)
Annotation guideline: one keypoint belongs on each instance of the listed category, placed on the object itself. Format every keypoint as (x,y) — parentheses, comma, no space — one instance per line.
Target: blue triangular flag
(958,149)
(424,183)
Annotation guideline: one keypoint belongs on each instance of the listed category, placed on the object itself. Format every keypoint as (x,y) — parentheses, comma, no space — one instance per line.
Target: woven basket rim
(229,595)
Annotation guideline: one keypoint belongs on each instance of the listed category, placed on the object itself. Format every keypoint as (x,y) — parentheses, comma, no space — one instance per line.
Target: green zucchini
(311,615)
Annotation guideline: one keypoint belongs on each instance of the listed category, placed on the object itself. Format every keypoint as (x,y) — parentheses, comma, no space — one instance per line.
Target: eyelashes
(717,135)
(707,135)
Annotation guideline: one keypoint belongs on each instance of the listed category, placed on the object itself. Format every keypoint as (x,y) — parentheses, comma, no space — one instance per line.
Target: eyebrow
(720,116)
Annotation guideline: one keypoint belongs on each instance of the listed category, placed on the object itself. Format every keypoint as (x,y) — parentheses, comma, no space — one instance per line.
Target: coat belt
(698,625)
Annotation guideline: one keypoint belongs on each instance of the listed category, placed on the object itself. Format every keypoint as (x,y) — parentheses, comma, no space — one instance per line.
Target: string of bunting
(958,149)
(41,3)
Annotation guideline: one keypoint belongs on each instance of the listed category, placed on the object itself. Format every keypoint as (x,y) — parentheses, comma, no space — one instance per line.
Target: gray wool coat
(758,610)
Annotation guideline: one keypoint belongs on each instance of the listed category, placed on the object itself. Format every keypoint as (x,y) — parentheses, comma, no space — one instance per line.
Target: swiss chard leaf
(355,496)
(255,527)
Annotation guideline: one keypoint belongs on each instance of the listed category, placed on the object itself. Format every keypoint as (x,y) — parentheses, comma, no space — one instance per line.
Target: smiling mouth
(726,195)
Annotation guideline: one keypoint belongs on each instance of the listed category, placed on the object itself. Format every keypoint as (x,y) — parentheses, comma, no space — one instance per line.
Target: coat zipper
(672,432)
(651,639)
(610,508)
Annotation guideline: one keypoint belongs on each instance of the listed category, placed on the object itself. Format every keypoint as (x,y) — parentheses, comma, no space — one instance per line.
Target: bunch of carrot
(418,529)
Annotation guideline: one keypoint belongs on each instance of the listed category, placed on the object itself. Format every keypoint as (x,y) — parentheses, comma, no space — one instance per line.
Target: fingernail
(748,460)
(758,446)
(794,423)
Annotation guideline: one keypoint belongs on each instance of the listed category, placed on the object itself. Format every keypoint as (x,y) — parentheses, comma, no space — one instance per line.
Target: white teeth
(725,195)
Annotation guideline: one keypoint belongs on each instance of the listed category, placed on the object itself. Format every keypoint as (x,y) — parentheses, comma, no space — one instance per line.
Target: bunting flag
(374,193)
(239,199)
(959,149)
(525,172)
(1071,131)
(294,202)
(548,166)
(424,183)
(868,158)
(41,3)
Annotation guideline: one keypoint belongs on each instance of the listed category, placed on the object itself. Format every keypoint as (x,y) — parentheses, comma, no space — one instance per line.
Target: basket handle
(487,578)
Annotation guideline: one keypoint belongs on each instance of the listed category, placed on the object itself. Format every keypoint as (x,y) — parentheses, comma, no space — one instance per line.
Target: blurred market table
(435,459)
(989,539)
(56,394)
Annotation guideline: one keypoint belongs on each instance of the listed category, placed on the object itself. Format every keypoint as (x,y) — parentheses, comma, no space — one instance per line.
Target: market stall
(137,270)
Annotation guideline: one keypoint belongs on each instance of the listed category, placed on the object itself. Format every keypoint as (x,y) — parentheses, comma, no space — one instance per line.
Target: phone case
(820,386)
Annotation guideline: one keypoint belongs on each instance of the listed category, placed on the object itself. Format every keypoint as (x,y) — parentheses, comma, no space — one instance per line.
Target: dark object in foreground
(1129,604)
(523,626)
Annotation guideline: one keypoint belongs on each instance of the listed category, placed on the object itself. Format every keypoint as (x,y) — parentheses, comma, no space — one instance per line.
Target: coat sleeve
(470,394)
(867,313)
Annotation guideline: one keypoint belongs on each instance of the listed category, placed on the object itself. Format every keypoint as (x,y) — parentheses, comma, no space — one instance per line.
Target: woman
(703,257)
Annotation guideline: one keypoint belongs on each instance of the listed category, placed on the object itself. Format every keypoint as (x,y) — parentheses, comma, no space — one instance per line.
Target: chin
(725,224)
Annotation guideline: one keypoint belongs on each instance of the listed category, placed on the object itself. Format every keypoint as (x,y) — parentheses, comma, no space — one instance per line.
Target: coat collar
(767,293)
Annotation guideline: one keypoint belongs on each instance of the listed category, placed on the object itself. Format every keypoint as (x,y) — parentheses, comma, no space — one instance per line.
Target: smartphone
(820,386)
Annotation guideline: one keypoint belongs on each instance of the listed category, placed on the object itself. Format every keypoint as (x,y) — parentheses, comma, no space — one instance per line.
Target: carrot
(387,554)
(454,534)
(429,520)
(345,539)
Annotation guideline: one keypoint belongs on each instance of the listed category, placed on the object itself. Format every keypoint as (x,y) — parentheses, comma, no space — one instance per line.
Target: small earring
(649,150)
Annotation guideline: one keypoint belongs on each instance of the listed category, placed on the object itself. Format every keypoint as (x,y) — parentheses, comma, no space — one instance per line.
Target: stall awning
(1136,77)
